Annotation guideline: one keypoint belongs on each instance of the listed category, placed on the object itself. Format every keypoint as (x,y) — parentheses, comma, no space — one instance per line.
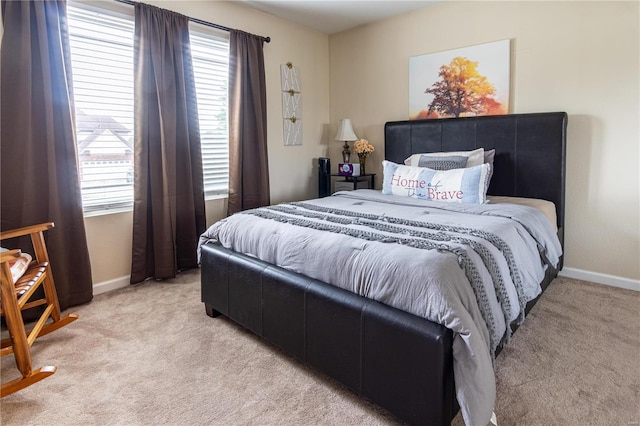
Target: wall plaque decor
(291,104)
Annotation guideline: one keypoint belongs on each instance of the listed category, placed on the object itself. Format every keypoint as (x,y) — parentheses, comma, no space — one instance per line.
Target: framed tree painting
(463,82)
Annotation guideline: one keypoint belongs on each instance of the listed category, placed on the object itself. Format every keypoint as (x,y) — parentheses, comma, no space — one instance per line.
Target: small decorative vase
(362,158)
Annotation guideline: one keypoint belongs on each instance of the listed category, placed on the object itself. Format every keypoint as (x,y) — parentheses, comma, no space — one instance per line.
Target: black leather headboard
(530,150)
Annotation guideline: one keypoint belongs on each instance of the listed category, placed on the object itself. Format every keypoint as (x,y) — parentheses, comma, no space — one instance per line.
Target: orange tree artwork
(461,91)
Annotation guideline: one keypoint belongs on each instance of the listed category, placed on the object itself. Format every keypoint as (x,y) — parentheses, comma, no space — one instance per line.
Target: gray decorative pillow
(443,162)
(489,157)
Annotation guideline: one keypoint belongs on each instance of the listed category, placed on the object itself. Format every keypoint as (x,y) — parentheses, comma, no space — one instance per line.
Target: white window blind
(211,71)
(102,66)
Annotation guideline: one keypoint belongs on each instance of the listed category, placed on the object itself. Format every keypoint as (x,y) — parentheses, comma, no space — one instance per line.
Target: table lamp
(345,133)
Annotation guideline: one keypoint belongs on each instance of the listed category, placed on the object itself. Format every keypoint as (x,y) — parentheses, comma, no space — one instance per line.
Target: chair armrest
(27,230)
(7,256)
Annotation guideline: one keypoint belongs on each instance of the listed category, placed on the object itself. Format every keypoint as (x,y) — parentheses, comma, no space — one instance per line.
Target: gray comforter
(471,268)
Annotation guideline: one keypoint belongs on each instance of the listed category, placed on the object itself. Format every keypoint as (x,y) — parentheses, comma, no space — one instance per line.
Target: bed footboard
(399,361)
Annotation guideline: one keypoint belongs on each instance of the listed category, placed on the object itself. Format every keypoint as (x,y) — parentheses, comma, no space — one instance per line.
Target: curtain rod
(199,21)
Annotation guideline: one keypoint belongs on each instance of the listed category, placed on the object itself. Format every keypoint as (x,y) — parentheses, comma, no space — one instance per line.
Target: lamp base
(346,152)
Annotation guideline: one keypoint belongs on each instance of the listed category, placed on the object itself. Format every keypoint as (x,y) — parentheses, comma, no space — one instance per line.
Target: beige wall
(578,57)
(292,175)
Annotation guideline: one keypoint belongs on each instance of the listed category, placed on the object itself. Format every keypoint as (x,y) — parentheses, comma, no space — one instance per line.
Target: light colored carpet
(149,355)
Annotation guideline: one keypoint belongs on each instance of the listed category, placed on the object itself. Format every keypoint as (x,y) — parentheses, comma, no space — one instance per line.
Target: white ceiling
(332,16)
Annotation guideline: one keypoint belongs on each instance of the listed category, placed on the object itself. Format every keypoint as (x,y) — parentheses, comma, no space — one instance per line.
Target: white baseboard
(110,285)
(595,277)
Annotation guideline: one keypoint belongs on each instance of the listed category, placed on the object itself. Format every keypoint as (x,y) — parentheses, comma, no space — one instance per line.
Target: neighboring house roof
(96,125)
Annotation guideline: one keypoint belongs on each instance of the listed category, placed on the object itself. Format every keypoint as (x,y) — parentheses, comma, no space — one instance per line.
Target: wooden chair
(17,296)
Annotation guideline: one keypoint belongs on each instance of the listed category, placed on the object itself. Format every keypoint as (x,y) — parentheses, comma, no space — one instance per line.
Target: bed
(397,359)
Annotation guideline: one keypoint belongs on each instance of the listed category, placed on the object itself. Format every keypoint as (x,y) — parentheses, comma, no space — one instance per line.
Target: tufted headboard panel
(530,150)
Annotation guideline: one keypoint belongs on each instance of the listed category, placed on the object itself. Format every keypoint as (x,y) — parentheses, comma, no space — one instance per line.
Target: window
(211,71)
(102,64)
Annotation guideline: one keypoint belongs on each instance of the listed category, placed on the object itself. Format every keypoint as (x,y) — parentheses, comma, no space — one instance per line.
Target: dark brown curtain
(38,147)
(248,161)
(168,211)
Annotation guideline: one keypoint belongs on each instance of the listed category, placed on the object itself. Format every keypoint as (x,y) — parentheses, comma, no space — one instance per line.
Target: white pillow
(468,185)
(474,158)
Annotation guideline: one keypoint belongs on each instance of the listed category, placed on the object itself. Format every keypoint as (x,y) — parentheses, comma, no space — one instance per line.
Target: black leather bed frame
(397,360)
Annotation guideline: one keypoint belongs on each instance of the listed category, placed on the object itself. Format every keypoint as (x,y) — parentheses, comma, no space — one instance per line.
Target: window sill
(104,212)
(128,209)
(216,197)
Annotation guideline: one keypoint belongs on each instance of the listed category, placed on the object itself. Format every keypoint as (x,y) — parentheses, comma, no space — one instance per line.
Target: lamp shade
(345,131)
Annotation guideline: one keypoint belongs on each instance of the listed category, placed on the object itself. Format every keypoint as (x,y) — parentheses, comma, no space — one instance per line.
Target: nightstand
(349,183)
